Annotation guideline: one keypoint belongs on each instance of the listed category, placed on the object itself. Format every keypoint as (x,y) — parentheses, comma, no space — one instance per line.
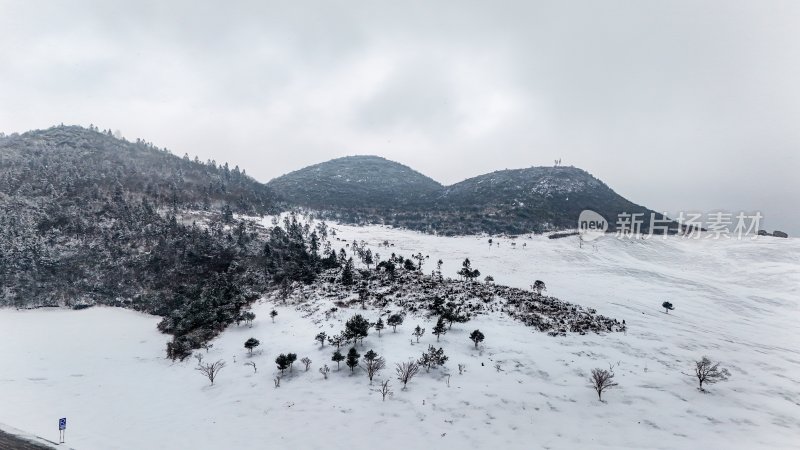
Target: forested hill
(70,163)
(86,218)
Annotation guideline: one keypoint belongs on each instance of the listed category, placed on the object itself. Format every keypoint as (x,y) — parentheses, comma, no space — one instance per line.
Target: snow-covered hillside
(736,301)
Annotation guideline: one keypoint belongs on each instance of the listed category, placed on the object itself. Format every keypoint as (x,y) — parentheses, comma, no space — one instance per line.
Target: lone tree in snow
(406,371)
(321,339)
(384,390)
(709,372)
(667,307)
(603,379)
(394,320)
(379,325)
(476,337)
(306,362)
(324,370)
(210,370)
(272,315)
(440,328)
(337,358)
(251,343)
(373,364)
(352,359)
(418,332)
(283,362)
(538,286)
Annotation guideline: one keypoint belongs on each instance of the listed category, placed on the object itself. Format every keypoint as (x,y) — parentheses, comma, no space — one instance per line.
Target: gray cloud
(678,105)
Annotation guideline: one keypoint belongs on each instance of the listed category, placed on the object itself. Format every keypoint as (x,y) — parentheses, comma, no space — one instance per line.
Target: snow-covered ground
(736,301)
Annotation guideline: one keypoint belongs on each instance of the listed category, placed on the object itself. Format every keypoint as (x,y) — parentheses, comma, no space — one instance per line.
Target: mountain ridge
(511,201)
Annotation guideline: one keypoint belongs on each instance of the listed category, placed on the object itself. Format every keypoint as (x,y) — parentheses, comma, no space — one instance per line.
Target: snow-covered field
(736,301)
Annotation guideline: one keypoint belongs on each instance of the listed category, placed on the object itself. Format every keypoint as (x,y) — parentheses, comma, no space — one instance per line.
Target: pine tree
(338,358)
(418,332)
(476,337)
(379,326)
(347,273)
(395,320)
(251,343)
(440,328)
(283,362)
(272,314)
(320,337)
(352,358)
(291,358)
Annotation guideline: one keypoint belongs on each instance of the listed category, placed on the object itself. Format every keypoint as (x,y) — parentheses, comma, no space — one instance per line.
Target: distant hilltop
(371,189)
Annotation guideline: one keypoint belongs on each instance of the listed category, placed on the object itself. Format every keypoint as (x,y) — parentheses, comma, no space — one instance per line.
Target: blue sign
(62,423)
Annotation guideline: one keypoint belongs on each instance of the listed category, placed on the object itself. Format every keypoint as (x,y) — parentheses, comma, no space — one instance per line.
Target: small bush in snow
(324,370)
(272,315)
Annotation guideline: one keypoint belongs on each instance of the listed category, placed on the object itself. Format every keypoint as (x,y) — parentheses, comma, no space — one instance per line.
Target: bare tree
(251,363)
(306,361)
(709,372)
(384,390)
(603,379)
(207,347)
(199,358)
(210,370)
(325,371)
(373,366)
(406,371)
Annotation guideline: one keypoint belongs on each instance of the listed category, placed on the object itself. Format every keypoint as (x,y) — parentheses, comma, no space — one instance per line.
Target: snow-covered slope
(736,301)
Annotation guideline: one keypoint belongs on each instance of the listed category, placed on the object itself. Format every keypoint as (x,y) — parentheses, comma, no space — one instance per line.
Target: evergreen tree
(291,358)
(338,358)
(395,320)
(283,362)
(250,344)
(320,337)
(352,358)
(440,328)
(476,337)
(418,332)
(347,273)
(379,326)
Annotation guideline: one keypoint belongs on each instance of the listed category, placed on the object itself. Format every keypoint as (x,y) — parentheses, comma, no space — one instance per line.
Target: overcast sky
(679,106)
